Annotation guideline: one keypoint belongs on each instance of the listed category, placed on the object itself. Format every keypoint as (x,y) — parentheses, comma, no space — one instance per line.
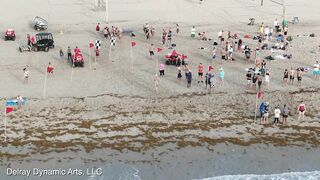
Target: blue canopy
(14,102)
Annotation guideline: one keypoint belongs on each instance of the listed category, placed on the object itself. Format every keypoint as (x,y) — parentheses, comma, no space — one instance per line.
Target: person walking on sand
(267,79)
(151,51)
(98,27)
(239,45)
(164,37)
(193,32)
(161,69)
(285,76)
(189,79)
(292,74)
(177,28)
(262,109)
(249,79)
(254,81)
(299,76)
(156,81)
(277,113)
(61,53)
(259,78)
(223,55)
(69,53)
(210,81)
(266,114)
(213,54)
(26,75)
(19,99)
(230,53)
(276,25)
(29,39)
(301,109)
(221,76)
(207,80)
(169,37)
(200,73)
(179,76)
(50,69)
(285,114)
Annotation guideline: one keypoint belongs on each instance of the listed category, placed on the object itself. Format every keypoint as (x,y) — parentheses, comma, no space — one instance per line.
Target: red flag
(159,49)
(210,68)
(133,44)
(259,94)
(9,110)
(91,45)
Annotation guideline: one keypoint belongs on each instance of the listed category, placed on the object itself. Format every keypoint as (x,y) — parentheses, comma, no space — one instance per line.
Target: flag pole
(131,58)
(71,76)
(107,12)
(90,57)
(255,111)
(95,58)
(45,84)
(109,58)
(5,124)
(157,62)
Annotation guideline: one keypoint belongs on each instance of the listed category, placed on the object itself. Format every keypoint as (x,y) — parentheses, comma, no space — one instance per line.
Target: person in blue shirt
(262,109)
(221,75)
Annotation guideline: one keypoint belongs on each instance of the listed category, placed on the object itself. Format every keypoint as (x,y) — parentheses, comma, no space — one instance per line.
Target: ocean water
(314,175)
(121,172)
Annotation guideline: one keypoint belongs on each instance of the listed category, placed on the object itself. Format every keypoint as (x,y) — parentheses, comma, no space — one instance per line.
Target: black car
(44,41)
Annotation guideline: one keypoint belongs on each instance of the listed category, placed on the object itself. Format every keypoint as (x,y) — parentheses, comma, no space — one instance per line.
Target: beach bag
(269,58)
(312,35)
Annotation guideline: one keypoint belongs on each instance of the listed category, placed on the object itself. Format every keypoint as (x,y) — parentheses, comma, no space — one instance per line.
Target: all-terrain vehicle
(77,59)
(10,35)
(40,24)
(44,41)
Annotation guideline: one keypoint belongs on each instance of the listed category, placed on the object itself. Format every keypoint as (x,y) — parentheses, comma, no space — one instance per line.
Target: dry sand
(116,108)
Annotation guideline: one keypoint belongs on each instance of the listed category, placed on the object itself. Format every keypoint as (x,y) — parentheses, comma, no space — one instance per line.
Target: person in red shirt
(76,50)
(301,109)
(200,73)
(32,40)
(50,69)
(98,27)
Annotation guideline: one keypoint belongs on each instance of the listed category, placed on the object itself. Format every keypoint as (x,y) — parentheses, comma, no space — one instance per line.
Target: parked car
(40,24)
(44,41)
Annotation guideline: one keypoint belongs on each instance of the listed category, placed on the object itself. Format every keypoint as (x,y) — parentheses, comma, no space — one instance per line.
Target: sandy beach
(107,114)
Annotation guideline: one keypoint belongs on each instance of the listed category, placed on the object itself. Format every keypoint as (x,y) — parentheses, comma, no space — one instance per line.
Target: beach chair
(252,20)
(295,20)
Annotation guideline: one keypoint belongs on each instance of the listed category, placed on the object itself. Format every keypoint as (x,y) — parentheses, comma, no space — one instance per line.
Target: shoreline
(182,163)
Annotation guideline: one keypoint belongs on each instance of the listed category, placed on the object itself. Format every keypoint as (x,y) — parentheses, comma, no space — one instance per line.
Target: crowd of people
(258,76)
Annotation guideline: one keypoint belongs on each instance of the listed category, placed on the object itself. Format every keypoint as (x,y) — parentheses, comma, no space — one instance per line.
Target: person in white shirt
(26,75)
(277,113)
(276,25)
(267,32)
(193,31)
